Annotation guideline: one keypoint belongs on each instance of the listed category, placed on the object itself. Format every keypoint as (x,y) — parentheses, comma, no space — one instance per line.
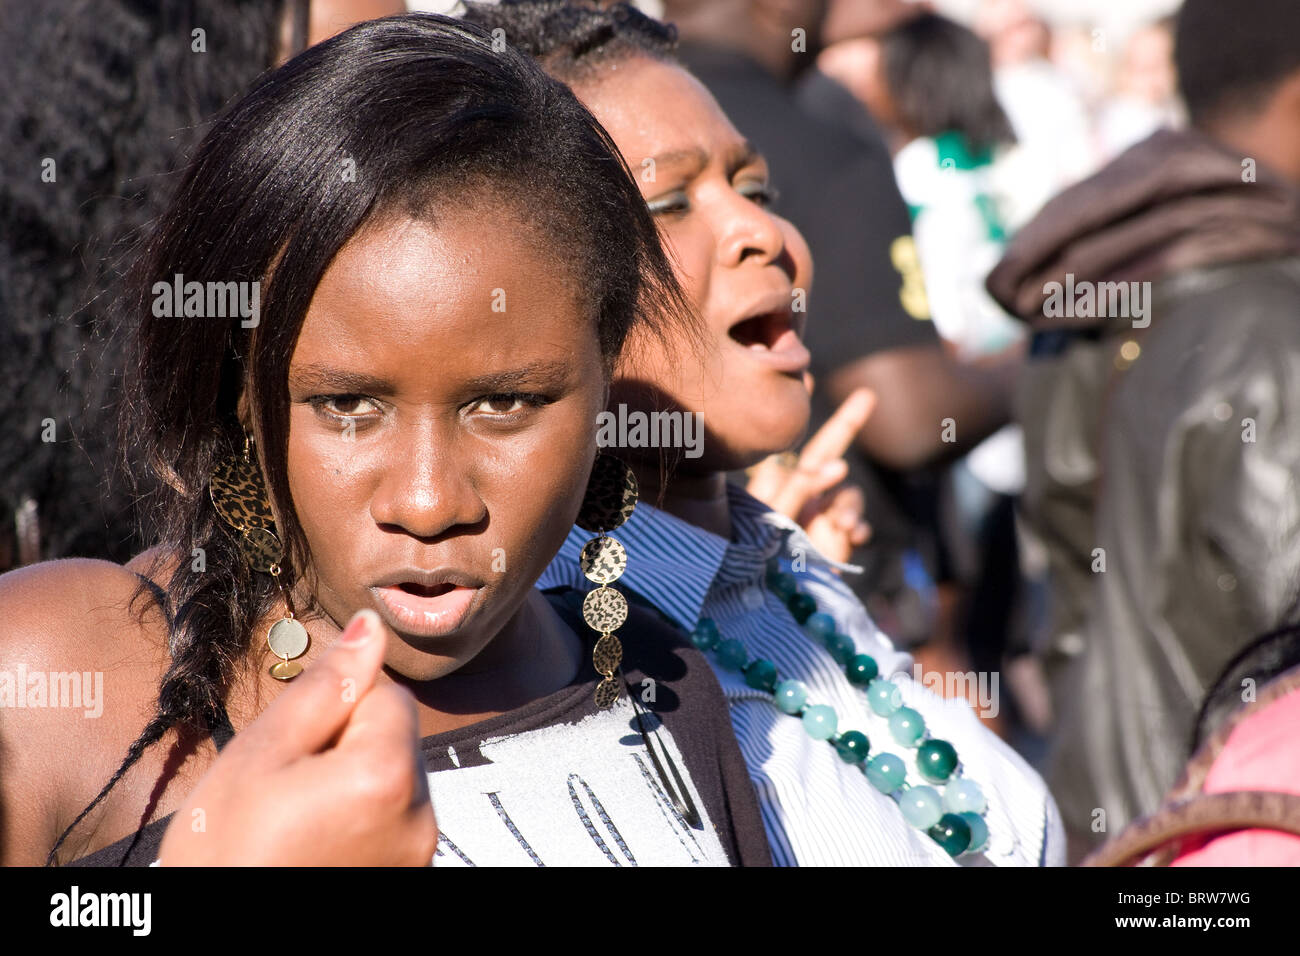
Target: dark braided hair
(429,116)
(575,41)
(118,123)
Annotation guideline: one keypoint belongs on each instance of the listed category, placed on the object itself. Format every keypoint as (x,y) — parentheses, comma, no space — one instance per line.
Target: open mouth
(761,331)
(773,337)
(425,610)
(428,591)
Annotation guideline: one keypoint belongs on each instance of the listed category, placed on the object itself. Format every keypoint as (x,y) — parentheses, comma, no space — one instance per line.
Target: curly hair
(91,150)
(575,41)
(430,116)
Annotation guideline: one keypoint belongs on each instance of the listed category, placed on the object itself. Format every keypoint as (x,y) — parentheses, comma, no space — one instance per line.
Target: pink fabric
(1262,753)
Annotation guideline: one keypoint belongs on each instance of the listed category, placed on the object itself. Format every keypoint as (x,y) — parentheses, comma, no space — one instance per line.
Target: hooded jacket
(1161,412)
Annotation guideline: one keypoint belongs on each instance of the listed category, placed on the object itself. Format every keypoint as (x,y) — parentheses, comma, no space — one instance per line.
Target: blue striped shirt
(817,809)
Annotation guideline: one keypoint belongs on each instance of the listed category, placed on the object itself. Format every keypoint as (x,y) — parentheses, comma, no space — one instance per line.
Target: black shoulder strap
(161,597)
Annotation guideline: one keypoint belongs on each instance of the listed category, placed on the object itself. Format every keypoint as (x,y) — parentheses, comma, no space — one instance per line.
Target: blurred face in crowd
(1148,70)
(1013,32)
(857,65)
(746,270)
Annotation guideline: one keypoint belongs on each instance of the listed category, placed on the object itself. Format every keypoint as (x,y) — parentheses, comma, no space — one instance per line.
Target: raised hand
(329,774)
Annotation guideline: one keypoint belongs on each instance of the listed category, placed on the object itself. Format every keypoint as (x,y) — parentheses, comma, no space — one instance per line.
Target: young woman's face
(740,265)
(443,393)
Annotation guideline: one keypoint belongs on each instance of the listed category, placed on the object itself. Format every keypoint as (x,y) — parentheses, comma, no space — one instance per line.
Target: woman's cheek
(691,250)
(327,483)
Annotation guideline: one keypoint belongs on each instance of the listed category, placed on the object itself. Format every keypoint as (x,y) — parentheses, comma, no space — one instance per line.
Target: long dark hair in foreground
(410,115)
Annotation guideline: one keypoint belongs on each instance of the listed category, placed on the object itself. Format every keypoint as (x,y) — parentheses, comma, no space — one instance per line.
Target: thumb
(308,714)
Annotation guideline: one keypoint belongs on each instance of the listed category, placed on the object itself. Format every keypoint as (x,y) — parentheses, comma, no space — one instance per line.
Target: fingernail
(359,628)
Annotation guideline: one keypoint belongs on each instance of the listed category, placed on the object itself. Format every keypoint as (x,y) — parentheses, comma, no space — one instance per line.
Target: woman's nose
(427,490)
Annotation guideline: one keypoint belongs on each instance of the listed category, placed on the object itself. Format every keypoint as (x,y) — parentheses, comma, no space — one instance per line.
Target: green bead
(952,833)
(921,806)
(819,720)
(791,695)
(979,830)
(907,726)
(936,759)
(862,670)
(802,606)
(886,772)
(961,795)
(761,675)
(706,635)
(732,654)
(784,586)
(853,746)
(820,626)
(884,697)
(842,648)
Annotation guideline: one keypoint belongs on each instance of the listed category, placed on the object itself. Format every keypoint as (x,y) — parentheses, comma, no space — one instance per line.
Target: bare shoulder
(79,664)
(76,611)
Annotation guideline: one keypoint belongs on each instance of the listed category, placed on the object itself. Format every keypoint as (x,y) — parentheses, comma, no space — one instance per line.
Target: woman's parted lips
(428,583)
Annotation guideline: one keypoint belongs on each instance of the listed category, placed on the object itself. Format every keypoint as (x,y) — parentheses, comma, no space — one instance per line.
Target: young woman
(425,259)
(799,643)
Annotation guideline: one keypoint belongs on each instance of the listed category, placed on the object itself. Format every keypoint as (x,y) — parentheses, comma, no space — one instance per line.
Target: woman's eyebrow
(694,158)
(317,376)
(740,155)
(542,374)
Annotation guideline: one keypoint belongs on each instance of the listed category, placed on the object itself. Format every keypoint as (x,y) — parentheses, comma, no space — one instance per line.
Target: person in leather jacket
(1161,411)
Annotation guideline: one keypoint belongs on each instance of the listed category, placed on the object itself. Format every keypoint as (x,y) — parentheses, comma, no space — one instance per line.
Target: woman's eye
(506,405)
(343,407)
(760,193)
(672,204)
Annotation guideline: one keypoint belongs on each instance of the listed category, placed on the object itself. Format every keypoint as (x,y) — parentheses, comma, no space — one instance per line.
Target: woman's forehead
(651,106)
(472,290)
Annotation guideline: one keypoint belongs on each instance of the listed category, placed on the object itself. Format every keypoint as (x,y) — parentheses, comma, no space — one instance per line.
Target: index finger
(834,438)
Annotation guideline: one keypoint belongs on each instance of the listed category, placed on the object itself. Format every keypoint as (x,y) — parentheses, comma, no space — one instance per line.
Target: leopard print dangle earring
(611,496)
(238,493)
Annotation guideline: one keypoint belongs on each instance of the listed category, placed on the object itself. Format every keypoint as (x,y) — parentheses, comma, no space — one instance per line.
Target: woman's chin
(764,445)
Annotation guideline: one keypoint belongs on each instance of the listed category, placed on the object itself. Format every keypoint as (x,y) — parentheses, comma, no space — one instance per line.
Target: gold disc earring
(238,492)
(610,498)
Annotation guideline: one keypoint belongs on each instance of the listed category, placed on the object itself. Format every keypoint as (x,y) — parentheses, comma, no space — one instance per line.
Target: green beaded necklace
(962,828)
